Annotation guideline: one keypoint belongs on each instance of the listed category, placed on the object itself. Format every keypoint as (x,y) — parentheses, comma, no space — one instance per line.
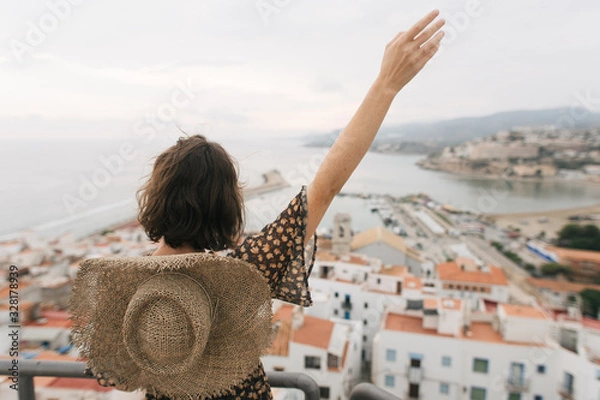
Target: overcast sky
(289,66)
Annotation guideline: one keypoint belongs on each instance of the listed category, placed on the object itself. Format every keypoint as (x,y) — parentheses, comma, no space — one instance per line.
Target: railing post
(26,388)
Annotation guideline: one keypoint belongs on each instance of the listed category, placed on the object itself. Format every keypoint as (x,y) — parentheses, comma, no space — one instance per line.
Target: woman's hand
(404,57)
(409,51)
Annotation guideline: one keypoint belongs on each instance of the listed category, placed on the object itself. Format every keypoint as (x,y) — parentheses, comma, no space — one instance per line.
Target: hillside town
(425,305)
(525,153)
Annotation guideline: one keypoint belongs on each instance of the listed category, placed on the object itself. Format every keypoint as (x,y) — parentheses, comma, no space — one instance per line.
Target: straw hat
(183,326)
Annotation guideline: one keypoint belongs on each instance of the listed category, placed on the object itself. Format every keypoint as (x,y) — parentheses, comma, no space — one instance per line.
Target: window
(333,361)
(324,392)
(379,281)
(390,381)
(366,305)
(480,365)
(444,388)
(538,397)
(568,383)
(335,312)
(541,369)
(390,355)
(278,368)
(446,361)
(336,295)
(514,396)
(364,322)
(365,338)
(450,286)
(477,393)
(312,362)
(458,287)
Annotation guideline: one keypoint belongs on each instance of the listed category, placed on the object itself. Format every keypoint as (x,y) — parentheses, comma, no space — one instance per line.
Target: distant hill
(439,134)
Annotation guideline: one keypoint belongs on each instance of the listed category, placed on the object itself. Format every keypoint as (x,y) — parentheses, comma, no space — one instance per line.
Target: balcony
(565,392)
(414,374)
(517,385)
(28,369)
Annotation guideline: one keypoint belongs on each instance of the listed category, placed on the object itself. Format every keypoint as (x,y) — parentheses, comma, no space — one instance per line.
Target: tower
(342,233)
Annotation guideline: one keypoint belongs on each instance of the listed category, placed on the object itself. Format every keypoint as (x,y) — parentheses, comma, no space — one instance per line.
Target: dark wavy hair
(193,197)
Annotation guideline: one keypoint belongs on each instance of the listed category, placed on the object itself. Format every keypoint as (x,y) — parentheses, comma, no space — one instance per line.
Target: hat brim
(240,333)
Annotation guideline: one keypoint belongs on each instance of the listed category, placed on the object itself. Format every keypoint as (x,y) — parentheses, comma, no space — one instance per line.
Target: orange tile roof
(355,259)
(576,255)
(451,304)
(284,313)
(411,282)
(405,323)
(314,332)
(515,310)
(561,285)
(591,323)
(479,331)
(430,304)
(281,342)
(466,261)
(394,270)
(451,271)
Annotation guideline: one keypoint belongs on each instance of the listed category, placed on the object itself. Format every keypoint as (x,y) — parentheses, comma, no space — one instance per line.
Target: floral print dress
(279,253)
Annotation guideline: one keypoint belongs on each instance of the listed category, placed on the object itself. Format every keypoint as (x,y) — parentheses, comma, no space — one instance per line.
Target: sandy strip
(532,223)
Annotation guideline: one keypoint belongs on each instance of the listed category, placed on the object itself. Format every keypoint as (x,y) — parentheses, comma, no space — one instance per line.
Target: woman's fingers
(422,24)
(429,32)
(429,49)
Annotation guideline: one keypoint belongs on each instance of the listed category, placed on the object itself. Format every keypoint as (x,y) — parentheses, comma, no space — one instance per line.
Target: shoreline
(475,175)
(272,180)
(549,222)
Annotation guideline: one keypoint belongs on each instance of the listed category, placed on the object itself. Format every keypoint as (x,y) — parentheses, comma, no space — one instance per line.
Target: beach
(532,223)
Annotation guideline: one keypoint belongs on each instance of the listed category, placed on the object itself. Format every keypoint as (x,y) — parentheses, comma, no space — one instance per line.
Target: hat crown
(167,323)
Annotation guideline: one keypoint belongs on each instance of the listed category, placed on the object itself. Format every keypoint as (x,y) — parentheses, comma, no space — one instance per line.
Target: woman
(183,219)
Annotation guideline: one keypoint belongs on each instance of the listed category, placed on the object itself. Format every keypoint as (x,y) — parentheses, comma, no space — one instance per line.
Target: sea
(54,186)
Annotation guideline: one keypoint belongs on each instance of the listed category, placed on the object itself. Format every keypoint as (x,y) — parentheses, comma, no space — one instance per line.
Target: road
(519,289)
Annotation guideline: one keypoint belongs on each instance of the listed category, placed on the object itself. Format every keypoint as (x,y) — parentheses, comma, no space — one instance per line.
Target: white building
(391,249)
(326,350)
(445,352)
(466,279)
(357,287)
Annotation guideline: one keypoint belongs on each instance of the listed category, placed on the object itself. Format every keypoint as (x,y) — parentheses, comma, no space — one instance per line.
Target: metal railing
(565,391)
(28,369)
(517,385)
(367,391)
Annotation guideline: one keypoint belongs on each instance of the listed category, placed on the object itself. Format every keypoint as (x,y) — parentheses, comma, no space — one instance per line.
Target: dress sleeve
(279,253)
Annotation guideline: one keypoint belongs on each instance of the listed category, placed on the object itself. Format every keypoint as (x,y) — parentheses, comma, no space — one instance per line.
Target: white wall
(460,374)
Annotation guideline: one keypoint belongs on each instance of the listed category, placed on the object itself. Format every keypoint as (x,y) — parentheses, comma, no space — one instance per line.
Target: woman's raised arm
(404,57)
